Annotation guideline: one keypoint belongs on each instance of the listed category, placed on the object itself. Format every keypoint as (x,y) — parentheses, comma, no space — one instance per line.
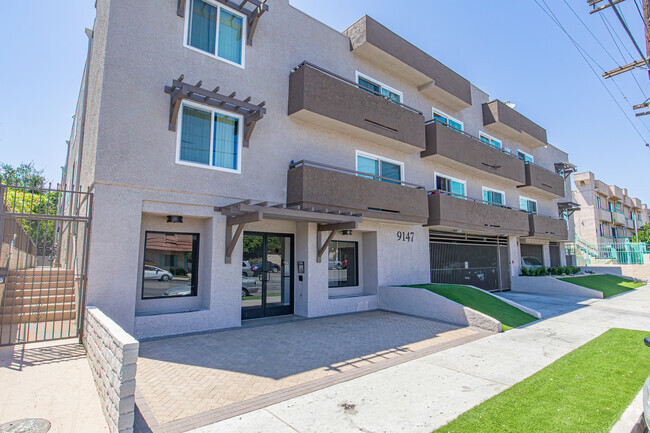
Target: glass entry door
(267,275)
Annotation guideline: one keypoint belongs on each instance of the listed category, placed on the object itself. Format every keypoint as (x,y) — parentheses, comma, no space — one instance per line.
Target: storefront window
(342,267)
(170,265)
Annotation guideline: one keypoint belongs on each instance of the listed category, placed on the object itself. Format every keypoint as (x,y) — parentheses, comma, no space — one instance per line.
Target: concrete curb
(552,286)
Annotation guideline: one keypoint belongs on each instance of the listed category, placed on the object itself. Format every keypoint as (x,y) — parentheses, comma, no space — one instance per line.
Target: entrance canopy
(242,213)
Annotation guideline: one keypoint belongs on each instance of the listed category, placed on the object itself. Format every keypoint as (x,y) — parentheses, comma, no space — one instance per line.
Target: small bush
(540,272)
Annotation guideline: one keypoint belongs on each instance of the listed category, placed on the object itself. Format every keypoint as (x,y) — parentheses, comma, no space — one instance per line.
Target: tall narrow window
(377,87)
(454,186)
(216,30)
(490,141)
(525,156)
(494,197)
(527,204)
(446,119)
(211,138)
(343,264)
(376,167)
(598,203)
(170,267)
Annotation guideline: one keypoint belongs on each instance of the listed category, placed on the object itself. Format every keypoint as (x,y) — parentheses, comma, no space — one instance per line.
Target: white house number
(406,236)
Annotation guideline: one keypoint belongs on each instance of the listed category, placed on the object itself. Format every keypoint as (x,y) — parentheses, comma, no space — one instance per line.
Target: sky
(510,49)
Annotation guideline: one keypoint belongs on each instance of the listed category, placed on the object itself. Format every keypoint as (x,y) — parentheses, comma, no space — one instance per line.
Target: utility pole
(646,19)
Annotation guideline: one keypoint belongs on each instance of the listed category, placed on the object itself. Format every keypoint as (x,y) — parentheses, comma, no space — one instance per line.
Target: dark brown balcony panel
(333,188)
(321,98)
(544,182)
(503,121)
(449,212)
(376,44)
(454,148)
(544,227)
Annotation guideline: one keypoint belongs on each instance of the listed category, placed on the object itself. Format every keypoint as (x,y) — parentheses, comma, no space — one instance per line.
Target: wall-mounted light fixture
(346,232)
(175,219)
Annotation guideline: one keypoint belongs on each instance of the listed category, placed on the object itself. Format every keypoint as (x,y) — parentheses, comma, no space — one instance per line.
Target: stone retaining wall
(112,354)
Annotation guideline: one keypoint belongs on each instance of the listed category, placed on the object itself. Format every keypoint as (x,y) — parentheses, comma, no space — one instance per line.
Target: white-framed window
(489,140)
(525,156)
(527,204)
(507,149)
(442,117)
(456,187)
(216,30)
(378,166)
(209,138)
(379,87)
(494,196)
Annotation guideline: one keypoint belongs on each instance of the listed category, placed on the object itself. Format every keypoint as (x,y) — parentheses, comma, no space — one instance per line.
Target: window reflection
(170,265)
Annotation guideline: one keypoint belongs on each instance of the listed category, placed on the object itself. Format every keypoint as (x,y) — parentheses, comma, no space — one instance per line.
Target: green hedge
(539,272)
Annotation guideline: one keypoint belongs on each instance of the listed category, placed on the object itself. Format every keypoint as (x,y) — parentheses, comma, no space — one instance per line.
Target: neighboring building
(370,163)
(607,213)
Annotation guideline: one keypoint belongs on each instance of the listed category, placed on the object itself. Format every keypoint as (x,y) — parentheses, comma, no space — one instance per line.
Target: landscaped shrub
(558,271)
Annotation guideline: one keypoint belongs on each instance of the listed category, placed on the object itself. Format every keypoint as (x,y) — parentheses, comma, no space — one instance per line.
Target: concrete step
(38,317)
(37,308)
(39,278)
(44,299)
(39,271)
(37,292)
(39,285)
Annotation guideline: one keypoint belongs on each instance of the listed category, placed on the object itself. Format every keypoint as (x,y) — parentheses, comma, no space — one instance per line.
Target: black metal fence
(43,262)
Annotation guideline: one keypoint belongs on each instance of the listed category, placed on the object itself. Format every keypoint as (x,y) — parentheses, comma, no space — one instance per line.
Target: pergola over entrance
(241,213)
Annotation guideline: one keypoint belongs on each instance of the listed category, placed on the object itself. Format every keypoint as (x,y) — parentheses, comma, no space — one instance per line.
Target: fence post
(2,216)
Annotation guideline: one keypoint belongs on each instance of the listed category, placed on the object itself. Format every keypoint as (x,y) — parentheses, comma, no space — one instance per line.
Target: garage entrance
(477,260)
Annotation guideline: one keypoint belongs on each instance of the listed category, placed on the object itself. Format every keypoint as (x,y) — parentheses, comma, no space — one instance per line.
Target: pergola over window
(253,11)
(180,91)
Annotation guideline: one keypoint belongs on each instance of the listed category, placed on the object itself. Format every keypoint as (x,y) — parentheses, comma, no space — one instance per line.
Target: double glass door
(267,275)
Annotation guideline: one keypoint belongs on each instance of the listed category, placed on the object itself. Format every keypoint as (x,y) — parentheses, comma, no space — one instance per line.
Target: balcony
(629,223)
(332,188)
(636,203)
(327,100)
(615,193)
(542,181)
(454,212)
(376,44)
(544,227)
(618,219)
(604,215)
(501,120)
(455,148)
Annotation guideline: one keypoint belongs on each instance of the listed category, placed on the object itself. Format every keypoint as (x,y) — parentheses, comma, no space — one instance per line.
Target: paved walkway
(426,393)
(194,380)
(53,381)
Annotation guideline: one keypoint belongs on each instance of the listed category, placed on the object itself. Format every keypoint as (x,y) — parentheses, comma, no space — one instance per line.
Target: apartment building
(607,213)
(327,163)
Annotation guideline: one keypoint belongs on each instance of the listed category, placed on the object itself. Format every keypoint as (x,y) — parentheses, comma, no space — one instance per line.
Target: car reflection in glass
(249,285)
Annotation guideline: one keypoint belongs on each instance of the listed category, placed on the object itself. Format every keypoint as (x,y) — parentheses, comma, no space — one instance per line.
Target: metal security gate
(475,260)
(43,261)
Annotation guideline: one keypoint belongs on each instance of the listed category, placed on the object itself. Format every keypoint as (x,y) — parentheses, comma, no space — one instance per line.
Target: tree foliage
(25,174)
(644,234)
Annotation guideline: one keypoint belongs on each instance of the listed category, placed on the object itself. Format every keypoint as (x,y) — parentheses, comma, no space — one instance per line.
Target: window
(528,204)
(494,197)
(170,267)
(610,206)
(507,149)
(454,186)
(441,117)
(209,138)
(617,206)
(602,230)
(613,232)
(377,87)
(216,30)
(378,166)
(525,156)
(489,140)
(598,203)
(342,267)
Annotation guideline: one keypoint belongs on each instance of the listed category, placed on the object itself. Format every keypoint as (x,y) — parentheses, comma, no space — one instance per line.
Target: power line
(584,56)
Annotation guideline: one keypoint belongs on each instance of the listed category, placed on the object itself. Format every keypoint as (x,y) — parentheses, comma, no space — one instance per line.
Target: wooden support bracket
(322,249)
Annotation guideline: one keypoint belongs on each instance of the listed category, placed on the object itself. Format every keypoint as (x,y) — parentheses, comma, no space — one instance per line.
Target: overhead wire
(584,54)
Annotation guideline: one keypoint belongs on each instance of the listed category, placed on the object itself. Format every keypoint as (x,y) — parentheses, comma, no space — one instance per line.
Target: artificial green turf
(509,316)
(585,391)
(610,285)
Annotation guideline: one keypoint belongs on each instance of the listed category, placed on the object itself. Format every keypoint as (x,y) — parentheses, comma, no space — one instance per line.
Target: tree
(644,234)
(25,174)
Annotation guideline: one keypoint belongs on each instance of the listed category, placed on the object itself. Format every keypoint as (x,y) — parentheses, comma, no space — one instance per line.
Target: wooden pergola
(241,213)
(253,12)
(565,168)
(180,91)
(569,207)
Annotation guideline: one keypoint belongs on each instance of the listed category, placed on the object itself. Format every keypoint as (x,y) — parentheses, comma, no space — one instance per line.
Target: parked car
(531,262)
(246,270)
(154,273)
(335,264)
(178,291)
(270,267)
(248,286)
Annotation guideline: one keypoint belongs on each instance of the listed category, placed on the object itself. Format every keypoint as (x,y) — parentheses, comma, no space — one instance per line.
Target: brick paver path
(185,376)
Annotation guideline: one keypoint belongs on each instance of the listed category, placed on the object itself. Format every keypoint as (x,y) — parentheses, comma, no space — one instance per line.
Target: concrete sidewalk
(424,394)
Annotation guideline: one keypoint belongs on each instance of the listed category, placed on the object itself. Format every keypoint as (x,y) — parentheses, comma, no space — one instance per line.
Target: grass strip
(509,316)
(585,391)
(610,285)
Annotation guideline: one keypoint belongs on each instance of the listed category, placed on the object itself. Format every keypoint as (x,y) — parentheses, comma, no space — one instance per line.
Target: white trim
(186,35)
(532,158)
(442,113)
(358,75)
(489,137)
(529,199)
(378,158)
(212,110)
(485,188)
(437,174)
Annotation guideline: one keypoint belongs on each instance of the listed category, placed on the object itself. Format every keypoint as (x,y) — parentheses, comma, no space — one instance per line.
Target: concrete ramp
(550,286)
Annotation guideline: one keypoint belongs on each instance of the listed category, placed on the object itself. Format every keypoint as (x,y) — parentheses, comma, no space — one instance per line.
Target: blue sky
(510,49)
